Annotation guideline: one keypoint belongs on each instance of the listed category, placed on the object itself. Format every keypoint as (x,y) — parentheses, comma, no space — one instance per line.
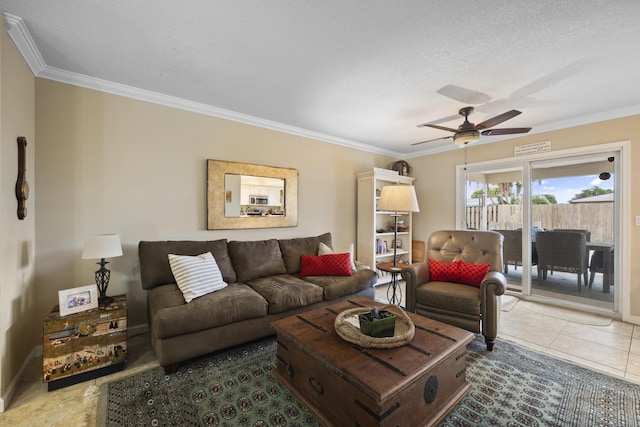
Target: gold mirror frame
(216,196)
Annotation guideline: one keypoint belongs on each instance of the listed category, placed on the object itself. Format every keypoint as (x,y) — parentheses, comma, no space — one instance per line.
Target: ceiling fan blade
(464,95)
(442,120)
(498,119)
(553,78)
(432,140)
(437,127)
(505,131)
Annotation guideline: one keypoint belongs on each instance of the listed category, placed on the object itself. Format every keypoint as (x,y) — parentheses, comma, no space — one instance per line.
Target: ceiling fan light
(466,137)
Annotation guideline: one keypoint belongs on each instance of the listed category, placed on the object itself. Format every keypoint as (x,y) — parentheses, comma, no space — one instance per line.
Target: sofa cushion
(472,274)
(252,260)
(285,292)
(457,271)
(196,275)
(326,250)
(171,316)
(325,265)
(444,271)
(340,286)
(292,249)
(450,296)
(154,259)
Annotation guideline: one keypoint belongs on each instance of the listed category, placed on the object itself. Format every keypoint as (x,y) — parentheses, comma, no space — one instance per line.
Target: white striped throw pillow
(196,275)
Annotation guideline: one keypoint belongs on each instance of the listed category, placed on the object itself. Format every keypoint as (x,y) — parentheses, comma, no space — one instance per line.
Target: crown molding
(19,34)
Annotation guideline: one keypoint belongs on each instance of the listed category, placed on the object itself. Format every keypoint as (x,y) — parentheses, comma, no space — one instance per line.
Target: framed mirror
(243,195)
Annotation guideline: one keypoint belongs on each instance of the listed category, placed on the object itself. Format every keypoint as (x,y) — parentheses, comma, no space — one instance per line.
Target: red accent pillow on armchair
(325,265)
(472,274)
(444,271)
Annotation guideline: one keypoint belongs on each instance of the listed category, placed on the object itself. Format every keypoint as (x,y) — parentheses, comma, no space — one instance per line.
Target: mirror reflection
(253,196)
(244,195)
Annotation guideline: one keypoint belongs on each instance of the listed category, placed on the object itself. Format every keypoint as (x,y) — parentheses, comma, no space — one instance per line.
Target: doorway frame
(622,212)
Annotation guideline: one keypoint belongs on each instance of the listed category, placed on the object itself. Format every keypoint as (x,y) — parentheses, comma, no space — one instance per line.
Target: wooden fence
(596,217)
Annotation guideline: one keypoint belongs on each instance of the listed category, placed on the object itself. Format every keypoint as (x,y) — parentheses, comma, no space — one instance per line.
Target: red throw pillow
(472,274)
(444,271)
(325,265)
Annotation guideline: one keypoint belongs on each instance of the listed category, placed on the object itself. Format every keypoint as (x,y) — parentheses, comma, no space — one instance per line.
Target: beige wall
(436,178)
(108,164)
(19,324)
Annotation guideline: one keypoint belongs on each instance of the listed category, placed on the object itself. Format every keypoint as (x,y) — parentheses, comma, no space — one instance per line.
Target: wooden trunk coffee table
(343,384)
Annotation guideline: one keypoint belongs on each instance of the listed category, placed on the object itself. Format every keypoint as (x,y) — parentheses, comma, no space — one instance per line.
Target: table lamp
(397,198)
(100,247)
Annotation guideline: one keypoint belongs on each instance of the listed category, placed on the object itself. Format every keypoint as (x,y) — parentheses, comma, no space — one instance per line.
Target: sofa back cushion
(252,260)
(292,249)
(154,259)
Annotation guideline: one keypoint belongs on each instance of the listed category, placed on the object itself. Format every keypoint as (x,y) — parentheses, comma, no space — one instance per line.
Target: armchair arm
(493,285)
(414,275)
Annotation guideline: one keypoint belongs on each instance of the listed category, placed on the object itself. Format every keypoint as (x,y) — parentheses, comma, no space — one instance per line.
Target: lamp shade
(102,246)
(398,198)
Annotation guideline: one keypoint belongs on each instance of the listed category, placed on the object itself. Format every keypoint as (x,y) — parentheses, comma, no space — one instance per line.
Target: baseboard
(137,330)
(633,319)
(7,395)
(36,351)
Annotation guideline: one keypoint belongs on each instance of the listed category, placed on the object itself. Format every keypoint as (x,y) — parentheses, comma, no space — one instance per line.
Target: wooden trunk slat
(84,341)
(367,386)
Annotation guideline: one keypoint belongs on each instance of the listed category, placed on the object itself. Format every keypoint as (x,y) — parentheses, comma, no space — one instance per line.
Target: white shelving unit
(375,225)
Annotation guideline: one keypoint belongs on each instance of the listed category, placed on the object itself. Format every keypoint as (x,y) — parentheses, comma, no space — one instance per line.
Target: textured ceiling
(362,73)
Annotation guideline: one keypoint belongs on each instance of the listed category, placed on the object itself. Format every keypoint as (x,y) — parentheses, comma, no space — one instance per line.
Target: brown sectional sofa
(264,285)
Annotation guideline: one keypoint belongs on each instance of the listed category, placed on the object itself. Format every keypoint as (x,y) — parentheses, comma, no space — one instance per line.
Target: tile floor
(598,343)
(602,344)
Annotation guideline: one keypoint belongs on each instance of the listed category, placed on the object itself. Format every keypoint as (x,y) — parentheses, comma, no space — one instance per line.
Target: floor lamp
(397,198)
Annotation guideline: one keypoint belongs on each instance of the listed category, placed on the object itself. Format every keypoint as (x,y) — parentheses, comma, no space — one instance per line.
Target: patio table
(607,251)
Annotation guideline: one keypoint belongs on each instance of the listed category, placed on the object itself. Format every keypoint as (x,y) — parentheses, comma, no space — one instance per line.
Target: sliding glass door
(574,203)
(558,218)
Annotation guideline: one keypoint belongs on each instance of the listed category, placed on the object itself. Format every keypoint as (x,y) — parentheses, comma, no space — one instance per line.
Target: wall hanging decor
(22,186)
(242,195)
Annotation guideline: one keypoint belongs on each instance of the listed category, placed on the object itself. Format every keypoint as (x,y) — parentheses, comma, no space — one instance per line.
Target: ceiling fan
(468,133)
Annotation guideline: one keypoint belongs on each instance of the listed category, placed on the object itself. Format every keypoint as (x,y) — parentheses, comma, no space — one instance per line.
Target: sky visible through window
(564,189)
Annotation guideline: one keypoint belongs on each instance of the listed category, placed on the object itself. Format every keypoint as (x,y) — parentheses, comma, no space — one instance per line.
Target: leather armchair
(468,307)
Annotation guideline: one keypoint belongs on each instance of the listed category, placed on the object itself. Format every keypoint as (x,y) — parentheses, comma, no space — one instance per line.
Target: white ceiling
(360,73)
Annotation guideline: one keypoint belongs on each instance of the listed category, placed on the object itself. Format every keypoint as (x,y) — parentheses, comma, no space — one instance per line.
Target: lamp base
(104,300)
(102,281)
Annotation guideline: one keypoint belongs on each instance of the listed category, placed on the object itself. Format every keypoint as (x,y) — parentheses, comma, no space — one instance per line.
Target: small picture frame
(76,300)
(398,243)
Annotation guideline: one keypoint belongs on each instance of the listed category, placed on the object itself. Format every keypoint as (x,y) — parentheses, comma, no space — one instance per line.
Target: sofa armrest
(414,275)
(361,266)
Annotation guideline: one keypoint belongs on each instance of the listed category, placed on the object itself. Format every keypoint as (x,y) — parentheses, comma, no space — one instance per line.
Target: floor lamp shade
(398,198)
(100,247)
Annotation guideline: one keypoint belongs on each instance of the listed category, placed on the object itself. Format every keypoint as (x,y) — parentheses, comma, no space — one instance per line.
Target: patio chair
(587,235)
(512,248)
(475,307)
(562,251)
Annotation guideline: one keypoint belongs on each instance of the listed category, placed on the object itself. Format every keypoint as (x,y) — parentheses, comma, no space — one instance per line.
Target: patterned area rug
(511,386)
